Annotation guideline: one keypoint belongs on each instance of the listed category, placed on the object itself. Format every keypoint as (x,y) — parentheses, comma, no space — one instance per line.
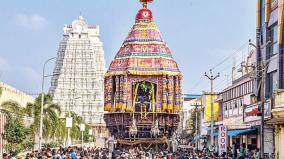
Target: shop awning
(241,132)
(275,121)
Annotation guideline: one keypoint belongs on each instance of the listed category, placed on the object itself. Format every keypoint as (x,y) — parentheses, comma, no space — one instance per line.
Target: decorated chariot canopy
(143,72)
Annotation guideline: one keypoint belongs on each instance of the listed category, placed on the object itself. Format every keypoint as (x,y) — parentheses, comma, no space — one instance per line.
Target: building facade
(239,107)
(270,14)
(78,81)
(190,102)
(9,93)
(206,116)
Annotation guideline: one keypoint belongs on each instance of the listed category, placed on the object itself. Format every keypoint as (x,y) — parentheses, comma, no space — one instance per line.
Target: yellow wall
(11,93)
(207,105)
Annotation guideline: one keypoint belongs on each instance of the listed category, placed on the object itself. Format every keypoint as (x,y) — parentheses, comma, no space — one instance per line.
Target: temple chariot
(143,86)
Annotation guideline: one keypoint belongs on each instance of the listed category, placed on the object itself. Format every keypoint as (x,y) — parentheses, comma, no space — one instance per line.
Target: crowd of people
(65,153)
(131,153)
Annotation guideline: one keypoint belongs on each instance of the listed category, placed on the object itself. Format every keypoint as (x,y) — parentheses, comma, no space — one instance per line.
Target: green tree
(86,136)
(75,130)
(17,135)
(75,133)
(51,113)
(12,107)
(192,121)
(61,130)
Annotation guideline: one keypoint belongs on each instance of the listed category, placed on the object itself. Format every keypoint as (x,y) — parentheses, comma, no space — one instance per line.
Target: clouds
(22,77)
(4,65)
(33,22)
(30,74)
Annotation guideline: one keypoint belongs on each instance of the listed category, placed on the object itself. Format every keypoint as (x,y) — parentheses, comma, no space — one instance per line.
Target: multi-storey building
(238,101)
(77,84)
(240,110)
(270,14)
(190,101)
(187,128)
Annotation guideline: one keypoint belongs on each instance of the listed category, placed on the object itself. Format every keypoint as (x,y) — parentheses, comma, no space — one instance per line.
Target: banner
(222,139)
(207,101)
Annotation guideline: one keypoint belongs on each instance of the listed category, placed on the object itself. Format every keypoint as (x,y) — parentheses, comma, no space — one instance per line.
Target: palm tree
(75,130)
(61,130)
(12,108)
(51,113)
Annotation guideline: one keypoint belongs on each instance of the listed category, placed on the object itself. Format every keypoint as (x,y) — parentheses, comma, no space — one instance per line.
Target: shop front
(246,136)
(239,132)
(252,119)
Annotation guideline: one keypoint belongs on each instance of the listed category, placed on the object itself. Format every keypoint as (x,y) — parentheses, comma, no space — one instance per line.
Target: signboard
(69,122)
(267,109)
(82,127)
(207,111)
(90,132)
(222,139)
(250,113)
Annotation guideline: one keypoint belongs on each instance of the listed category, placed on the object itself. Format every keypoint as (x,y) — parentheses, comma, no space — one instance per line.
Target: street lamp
(42,101)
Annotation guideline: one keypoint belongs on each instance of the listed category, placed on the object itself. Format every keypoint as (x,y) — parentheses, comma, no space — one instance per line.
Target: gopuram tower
(77,84)
(143,86)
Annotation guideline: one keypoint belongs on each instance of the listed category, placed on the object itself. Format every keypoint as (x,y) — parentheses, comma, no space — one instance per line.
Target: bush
(53,144)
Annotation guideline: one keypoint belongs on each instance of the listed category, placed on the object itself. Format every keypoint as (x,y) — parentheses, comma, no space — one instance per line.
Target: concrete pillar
(258,141)
(281,144)
(276,141)
(246,141)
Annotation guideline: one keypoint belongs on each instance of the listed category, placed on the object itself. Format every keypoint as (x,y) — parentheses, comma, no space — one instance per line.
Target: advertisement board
(222,139)
(207,101)
(250,113)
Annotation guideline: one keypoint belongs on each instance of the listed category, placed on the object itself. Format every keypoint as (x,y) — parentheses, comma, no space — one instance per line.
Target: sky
(200,33)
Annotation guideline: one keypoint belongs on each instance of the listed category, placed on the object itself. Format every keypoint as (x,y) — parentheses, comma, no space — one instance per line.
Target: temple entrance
(144,95)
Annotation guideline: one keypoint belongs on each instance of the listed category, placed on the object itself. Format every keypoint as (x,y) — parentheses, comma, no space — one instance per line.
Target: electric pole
(196,105)
(212,78)
(261,69)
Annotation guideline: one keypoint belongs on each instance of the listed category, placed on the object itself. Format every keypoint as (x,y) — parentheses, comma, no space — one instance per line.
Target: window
(271,83)
(247,84)
(225,110)
(241,106)
(272,48)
